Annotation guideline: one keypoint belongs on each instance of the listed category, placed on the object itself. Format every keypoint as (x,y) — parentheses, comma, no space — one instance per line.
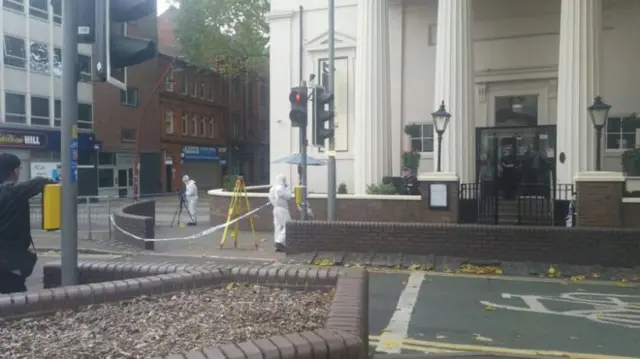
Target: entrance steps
(532,210)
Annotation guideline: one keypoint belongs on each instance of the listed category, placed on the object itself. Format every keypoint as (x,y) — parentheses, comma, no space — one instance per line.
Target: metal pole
(598,147)
(331,192)
(303,145)
(69,230)
(301,134)
(439,151)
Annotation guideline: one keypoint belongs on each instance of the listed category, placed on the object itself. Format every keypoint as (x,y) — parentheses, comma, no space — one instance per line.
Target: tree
(230,35)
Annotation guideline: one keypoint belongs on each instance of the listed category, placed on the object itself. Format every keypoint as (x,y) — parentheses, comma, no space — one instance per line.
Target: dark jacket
(15,223)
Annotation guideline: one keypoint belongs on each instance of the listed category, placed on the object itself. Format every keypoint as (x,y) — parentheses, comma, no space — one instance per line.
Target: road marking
(391,340)
(427,345)
(617,309)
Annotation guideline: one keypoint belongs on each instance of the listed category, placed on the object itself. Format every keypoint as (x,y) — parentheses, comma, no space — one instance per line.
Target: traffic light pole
(303,152)
(69,134)
(331,192)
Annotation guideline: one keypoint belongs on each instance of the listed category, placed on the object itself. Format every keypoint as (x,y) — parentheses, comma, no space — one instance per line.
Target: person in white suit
(279,196)
(191,196)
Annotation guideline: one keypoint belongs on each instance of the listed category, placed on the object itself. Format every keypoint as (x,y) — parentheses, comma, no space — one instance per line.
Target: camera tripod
(178,213)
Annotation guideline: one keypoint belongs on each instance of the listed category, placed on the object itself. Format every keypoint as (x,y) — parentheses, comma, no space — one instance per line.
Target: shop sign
(23,139)
(200,153)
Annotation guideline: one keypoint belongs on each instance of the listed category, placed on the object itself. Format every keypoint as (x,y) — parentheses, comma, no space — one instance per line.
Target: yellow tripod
(238,207)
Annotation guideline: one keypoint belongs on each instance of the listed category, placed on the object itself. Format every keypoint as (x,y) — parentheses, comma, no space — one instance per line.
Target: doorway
(517,160)
(169,177)
(123,181)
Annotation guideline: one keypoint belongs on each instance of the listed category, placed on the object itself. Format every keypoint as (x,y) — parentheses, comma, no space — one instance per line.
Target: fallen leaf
(595,275)
(577,278)
(622,284)
(480,338)
(490,308)
(468,268)
(323,262)
(439,336)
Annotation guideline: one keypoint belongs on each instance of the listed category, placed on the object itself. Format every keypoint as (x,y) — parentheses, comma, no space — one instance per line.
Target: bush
(381,189)
(631,162)
(229,182)
(342,188)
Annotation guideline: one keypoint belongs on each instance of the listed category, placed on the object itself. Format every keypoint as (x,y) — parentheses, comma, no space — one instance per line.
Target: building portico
(518,75)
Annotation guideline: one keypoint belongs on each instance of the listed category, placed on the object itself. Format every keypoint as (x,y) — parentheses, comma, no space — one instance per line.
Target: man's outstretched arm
(32,187)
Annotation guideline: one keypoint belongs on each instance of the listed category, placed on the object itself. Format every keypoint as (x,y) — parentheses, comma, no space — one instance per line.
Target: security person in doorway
(16,259)
(410,183)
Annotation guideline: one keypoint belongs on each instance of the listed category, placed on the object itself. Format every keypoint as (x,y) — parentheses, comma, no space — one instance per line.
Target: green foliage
(631,162)
(230,35)
(412,130)
(342,188)
(229,182)
(381,189)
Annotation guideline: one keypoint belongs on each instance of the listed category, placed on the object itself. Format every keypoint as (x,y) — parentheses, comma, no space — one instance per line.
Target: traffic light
(299,100)
(323,114)
(113,50)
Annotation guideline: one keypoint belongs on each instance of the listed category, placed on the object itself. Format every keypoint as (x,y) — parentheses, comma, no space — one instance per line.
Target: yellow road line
(422,345)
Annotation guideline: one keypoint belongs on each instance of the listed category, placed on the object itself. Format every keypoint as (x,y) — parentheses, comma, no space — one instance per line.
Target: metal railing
(93,215)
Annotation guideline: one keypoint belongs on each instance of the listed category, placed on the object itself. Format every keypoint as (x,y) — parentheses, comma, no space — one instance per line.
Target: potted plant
(411,159)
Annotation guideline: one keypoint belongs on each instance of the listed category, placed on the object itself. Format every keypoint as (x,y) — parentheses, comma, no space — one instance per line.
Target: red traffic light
(298,96)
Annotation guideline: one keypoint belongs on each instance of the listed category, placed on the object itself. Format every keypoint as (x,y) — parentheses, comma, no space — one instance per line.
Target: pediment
(321,43)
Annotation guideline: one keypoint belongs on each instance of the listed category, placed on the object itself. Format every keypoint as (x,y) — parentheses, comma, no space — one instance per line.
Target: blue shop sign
(200,153)
(40,139)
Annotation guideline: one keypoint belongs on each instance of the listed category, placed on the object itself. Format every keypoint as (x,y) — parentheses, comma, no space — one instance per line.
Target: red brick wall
(582,246)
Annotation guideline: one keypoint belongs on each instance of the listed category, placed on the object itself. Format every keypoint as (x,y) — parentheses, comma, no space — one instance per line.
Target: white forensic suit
(191,197)
(279,197)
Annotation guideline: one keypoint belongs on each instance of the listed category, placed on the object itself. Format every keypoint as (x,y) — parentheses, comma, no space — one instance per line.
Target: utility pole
(69,146)
(331,153)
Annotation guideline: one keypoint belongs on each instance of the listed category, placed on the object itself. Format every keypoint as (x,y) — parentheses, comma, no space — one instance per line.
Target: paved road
(443,314)
(488,315)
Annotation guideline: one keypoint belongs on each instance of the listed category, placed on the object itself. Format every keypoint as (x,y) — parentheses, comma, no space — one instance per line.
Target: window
(183,84)
(185,124)
(85,116)
(39,57)
(84,62)
(14,52)
(194,125)
(128,135)
(57,113)
(129,97)
(236,130)
(57,11)
(105,177)
(422,138)
(15,107)
(621,132)
(57,61)
(16,5)
(40,111)
(193,89)
(39,9)
(169,81)
(168,121)
(264,95)
(210,92)
(202,90)
(212,128)
(236,90)
(203,126)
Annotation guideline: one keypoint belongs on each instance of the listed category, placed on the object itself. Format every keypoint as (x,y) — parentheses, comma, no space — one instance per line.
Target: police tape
(193,236)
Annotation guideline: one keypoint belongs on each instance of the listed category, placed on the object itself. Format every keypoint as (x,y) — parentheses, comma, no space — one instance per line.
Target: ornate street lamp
(599,113)
(440,121)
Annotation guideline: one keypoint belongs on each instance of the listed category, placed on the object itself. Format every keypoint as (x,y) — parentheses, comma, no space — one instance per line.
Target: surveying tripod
(178,213)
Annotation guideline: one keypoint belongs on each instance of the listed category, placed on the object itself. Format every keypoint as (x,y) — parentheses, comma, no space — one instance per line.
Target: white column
(372,137)
(454,85)
(578,84)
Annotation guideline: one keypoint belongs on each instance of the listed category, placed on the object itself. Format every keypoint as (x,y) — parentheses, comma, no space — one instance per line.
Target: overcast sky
(162,6)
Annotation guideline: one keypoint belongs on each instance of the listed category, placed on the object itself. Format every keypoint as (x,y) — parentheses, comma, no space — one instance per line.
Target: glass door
(123,181)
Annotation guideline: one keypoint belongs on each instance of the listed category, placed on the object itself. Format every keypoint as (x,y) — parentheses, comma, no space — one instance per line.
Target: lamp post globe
(440,121)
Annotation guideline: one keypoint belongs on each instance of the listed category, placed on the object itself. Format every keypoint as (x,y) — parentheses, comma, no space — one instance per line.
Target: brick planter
(344,336)
(138,219)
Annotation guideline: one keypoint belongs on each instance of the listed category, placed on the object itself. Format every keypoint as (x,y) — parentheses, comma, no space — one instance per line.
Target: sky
(163,5)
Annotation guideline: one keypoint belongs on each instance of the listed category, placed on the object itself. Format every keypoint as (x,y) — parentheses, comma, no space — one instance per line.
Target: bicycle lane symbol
(616,309)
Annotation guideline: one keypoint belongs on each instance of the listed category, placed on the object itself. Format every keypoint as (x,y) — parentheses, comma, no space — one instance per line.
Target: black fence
(531,204)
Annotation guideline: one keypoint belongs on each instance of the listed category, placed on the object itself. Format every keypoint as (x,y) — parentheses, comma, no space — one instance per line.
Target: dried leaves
(151,326)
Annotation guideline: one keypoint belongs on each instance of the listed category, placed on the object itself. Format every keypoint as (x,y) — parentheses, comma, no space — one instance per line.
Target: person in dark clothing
(410,183)
(16,259)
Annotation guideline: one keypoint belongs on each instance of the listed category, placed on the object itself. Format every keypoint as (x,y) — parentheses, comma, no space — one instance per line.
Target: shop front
(203,165)
(39,151)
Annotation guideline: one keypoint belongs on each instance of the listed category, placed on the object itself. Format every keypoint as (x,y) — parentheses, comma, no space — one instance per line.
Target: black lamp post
(599,113)
(440,121)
